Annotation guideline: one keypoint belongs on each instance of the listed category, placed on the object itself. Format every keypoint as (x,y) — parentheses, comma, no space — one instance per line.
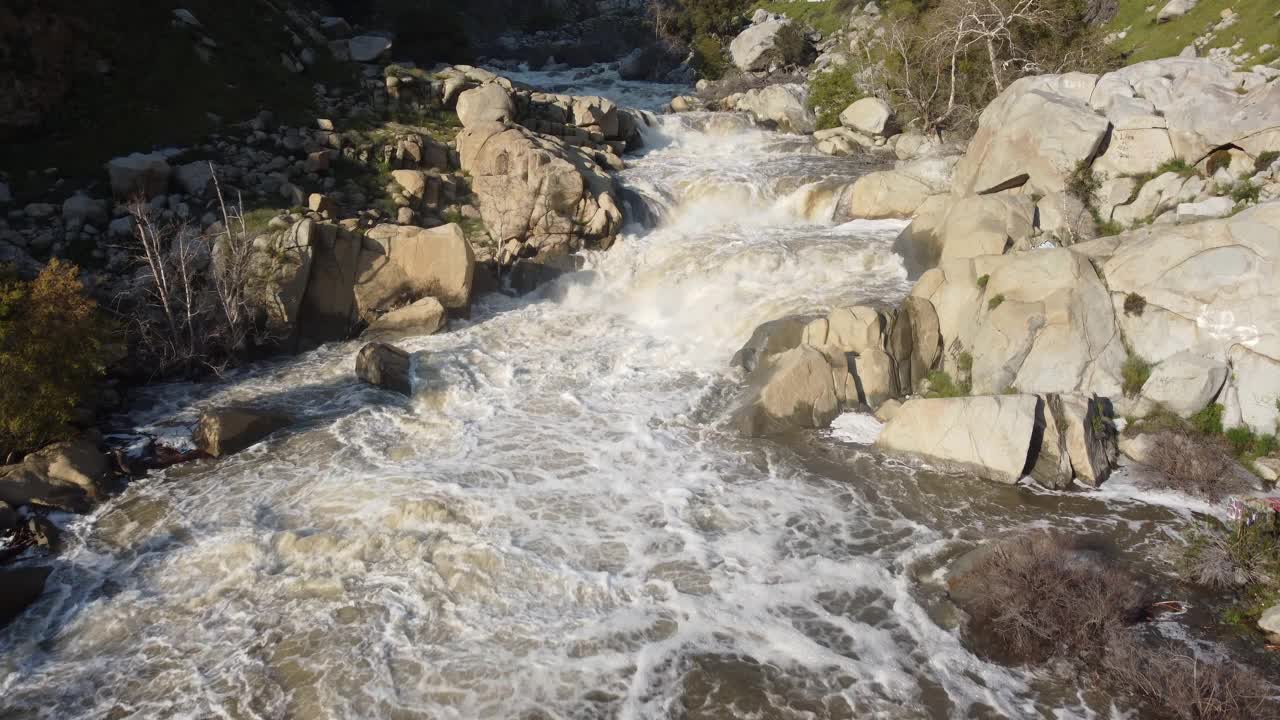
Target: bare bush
(1195,464)
(1176,684)
(939,68)
(1036,596)
(194,304)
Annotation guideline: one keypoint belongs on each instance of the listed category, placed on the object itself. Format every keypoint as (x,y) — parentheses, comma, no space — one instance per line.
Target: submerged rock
(227,431)
(386,366)
(19,587)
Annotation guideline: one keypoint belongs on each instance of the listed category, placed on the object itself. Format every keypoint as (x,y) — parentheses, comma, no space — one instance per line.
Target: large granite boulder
(424,317)
(19,587)
(782,106)
(65,476)
(1205,287)
(773,42)
(1031,130)
(988,436)
(1185,383)
(795,389)
(488,103)
(1040,321)
(947,227)
(139,174)
(537,191)
(229,430)
(884,194)
(869,115)
(399,264)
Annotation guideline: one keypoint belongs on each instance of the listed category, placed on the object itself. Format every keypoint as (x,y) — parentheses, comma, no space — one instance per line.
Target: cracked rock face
(537,191)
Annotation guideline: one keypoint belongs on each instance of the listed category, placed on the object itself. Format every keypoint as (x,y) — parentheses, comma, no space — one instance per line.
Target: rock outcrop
(1039,321)
(423,317)
(772,41)
(538,195)
(321,281)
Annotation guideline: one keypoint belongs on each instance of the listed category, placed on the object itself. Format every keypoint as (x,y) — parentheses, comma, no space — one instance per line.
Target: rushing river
(559,524)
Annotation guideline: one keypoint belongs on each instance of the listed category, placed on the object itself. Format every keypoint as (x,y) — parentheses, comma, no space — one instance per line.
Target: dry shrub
(1194,464)
(1177,685)
(1036,596)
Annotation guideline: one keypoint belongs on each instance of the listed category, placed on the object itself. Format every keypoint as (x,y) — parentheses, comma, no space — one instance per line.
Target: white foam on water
(856,427)
(557,522)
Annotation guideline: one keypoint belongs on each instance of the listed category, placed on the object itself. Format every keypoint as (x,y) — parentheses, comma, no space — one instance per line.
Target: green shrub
(1245,191)
(1134,304)
(942,386)
(1176,165)
(708,58)
(1217,161)
(830,93)
(982,281)
(1208,420)
(1084,184)
(1263,162)
(51,352)
(1134,374)
(995,301)
(965,362)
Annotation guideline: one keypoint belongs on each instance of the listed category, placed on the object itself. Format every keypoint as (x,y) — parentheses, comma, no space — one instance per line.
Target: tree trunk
(995,72)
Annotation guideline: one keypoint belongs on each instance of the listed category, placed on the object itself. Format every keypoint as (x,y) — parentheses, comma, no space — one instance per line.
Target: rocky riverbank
(1092,276)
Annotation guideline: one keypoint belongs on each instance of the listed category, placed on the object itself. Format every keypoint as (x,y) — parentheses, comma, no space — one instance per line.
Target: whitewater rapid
(558,524)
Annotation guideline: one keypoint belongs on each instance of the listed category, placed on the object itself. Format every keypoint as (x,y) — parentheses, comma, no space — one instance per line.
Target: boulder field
(1093,224)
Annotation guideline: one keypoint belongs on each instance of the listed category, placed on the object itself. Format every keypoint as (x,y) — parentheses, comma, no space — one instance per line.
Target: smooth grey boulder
(1185,383)
(769,339)
(989,436)
(795,390)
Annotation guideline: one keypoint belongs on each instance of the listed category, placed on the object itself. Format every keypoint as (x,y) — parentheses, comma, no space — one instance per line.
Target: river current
(559,524)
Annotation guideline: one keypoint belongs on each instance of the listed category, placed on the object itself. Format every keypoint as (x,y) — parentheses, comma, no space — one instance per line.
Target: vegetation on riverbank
(52,348)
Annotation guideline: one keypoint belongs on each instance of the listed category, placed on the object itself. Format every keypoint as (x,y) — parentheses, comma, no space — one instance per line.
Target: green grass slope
(1145,39)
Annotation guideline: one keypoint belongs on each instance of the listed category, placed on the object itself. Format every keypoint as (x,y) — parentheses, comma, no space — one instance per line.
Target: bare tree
(994,26)
(195,304)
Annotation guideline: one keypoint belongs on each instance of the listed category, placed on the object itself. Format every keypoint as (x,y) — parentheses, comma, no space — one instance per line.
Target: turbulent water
(558,524)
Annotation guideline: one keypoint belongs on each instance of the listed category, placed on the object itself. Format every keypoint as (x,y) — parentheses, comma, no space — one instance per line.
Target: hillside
(1247,30)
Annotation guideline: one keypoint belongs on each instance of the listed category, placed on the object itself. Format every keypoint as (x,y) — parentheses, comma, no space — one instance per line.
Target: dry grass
(1195,464)
(1175,684)
(1036,596)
